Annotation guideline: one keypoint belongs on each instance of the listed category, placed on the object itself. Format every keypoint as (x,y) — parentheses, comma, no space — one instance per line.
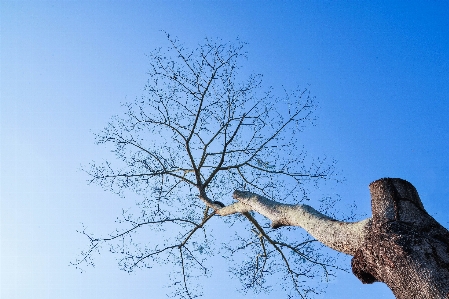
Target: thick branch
(345,237)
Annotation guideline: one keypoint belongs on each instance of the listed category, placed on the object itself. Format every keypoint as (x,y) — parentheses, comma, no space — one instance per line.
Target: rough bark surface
(405,247)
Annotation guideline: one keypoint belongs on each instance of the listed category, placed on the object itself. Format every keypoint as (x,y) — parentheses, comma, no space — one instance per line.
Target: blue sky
(379,69)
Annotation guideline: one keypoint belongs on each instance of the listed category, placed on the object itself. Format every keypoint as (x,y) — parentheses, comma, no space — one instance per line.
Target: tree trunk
(401,245)
(405,247)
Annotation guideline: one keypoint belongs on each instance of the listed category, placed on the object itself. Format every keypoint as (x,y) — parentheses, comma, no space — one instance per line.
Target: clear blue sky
(379,69)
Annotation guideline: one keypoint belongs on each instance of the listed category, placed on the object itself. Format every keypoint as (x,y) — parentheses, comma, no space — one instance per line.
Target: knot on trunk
(362,269)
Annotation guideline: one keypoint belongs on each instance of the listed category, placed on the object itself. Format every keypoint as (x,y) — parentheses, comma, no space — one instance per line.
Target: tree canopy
(202,129)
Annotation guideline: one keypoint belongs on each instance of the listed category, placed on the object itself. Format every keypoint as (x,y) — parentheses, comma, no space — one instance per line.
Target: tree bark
(405,248)
(400,245)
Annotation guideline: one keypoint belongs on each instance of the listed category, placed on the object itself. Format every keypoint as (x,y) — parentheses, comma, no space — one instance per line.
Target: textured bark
(401,245)
(405,247)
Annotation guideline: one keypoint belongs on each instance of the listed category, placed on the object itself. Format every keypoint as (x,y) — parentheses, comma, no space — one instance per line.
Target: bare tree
(201,131)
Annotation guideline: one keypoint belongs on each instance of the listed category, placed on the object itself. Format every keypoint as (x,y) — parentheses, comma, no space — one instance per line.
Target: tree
(202,131)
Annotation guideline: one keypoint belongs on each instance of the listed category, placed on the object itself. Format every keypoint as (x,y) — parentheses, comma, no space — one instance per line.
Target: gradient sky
(379,69)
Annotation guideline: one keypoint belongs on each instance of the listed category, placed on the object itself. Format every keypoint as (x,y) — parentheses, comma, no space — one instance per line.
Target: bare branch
(345,237)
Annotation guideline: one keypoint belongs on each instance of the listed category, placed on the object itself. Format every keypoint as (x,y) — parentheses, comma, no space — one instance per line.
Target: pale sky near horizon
(379,70)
